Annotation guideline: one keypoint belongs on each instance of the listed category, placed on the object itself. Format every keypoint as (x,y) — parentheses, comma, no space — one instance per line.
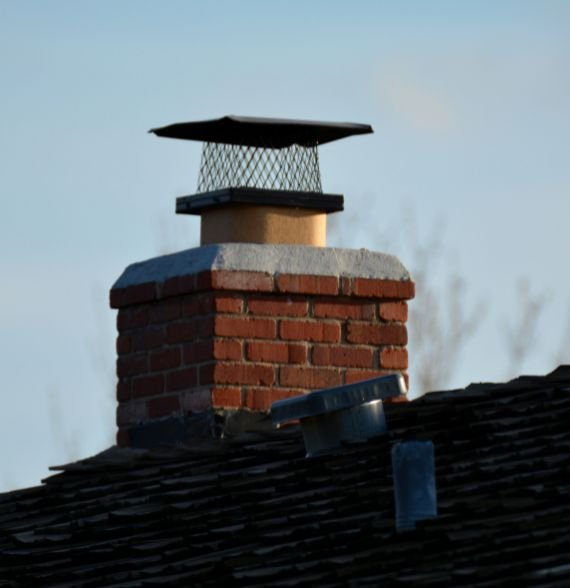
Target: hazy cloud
(422,107)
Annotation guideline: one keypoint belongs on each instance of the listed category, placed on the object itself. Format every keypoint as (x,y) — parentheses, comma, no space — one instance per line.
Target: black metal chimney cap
(262,132)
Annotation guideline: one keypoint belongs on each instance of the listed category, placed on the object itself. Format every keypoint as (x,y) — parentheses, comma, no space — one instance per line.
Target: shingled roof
(254,511)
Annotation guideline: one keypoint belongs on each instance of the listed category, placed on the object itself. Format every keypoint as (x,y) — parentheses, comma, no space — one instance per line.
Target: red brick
(180,285)
(396,399)
(394,359)
(197,304)
(153,337)
(257,398)
(309,377)
(163,406)
(327,332)
(307,284)
(147,338)
(198,352)
(344,309)
(376,334)
(390,289)
(226,397)
(227,349)
(277,307)
(359,375)
(165,311)
(131,365)
(181,379)
(204,280)
(343,355)
(189,330)
(277,352)
(124,390)
(393,311)
(256,328)
(262,398)
(123,439)
(206,373)
(241,280)
(130,413)
(131,318)
(240,373)
(148,385)
(165,359)
(123,344)
(205,327)
(345,286)
(229,304)
(181,332)
(131,295)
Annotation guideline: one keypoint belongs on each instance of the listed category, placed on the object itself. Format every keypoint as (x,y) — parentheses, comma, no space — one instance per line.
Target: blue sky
(469,101)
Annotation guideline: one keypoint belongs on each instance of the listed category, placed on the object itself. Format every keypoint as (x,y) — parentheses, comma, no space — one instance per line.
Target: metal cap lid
(338,398)
(262,132)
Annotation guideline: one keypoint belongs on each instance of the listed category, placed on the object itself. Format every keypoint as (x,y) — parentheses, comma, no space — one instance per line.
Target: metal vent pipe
(413,466)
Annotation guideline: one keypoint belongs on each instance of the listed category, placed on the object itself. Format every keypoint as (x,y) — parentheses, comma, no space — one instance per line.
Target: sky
(471,111)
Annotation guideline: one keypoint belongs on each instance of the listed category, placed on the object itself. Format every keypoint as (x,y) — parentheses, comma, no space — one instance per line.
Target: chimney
(262,310)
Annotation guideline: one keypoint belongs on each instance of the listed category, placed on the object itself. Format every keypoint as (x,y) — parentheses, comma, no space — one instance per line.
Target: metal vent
(346,413)
(294,168)
(413,466)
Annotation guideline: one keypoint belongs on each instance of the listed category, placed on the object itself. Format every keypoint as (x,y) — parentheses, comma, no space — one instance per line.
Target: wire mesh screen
(293,168)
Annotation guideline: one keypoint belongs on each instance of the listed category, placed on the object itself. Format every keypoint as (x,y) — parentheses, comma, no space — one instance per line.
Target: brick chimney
(262,310)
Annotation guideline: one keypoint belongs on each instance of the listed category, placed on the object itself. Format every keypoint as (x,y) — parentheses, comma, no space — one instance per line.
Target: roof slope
(256,512)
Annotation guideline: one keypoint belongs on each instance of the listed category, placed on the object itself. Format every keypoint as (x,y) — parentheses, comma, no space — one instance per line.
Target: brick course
(343,355)
(310,331)
(268,305)
(309,378)
(393,311)
(276,352)
(376,334)
(304,284)
(344,309)
(256,328)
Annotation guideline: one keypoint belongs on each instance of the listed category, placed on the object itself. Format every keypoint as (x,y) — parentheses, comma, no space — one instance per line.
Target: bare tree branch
(441,320)
(562,355)
(520,335)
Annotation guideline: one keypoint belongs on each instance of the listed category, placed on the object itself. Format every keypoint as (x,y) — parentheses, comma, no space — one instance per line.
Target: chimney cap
(276,133)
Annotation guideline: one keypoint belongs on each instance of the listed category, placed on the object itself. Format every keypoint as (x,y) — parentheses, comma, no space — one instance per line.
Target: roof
(253,511)
(262,132)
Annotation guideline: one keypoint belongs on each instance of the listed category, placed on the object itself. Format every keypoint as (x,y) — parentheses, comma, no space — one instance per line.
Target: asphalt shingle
(254,511)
